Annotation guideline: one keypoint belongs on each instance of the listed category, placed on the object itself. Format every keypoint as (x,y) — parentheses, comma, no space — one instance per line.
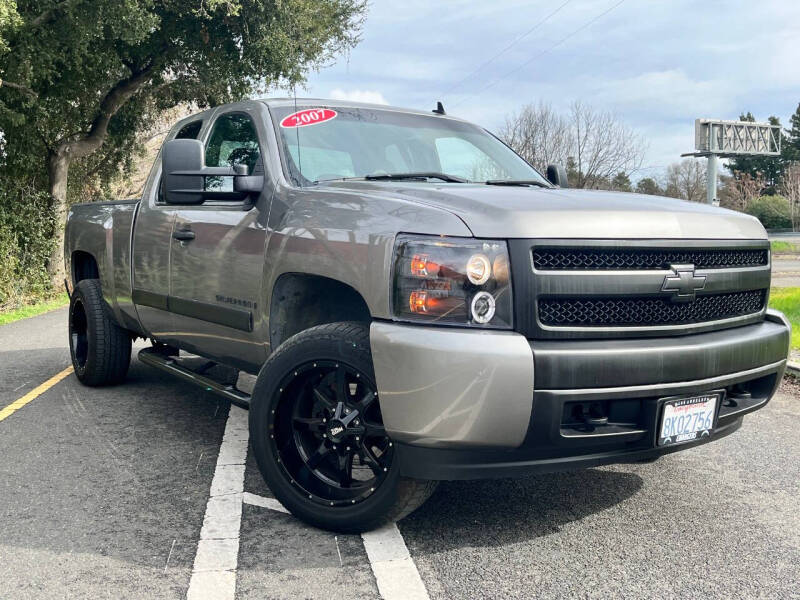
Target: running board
(168,364)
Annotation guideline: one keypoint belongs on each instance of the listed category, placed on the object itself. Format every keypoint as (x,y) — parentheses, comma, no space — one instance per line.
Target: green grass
(787,300)
(781,247)
(31,310)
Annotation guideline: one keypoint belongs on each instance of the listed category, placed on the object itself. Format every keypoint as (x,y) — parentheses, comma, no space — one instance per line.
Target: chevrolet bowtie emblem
(683,283)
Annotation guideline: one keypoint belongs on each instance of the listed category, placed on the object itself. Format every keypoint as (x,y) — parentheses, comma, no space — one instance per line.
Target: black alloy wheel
(318,436)
(327,432)
(79,333)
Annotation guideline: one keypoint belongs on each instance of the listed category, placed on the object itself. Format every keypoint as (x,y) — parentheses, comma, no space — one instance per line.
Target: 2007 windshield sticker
(310,116)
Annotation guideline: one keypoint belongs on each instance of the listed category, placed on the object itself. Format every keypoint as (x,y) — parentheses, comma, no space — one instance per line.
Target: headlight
(452,281)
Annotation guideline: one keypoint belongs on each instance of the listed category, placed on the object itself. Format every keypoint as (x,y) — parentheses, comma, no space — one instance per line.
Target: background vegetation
(83,84)
(87,90)
(787,300)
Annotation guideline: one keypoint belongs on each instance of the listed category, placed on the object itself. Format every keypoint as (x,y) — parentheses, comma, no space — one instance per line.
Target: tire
(303,375)
(100,349)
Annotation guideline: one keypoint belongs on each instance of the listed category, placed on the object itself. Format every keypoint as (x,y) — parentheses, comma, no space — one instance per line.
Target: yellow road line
(33,394)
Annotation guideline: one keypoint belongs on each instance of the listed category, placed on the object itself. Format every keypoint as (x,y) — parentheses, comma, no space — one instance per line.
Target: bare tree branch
(687,180)
(597,143)
(790,188)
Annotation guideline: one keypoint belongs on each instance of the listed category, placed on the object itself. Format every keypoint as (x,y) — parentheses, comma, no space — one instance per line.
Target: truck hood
(531,212)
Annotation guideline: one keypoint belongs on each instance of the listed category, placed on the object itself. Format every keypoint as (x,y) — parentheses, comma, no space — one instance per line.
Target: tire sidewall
(361,516)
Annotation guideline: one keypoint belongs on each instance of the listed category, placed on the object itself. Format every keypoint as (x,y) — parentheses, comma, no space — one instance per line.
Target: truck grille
(605,259)
(644,311)
(625,288)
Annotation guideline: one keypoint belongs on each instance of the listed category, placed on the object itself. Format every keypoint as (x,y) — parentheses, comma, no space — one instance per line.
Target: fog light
(479,269)
(482,307)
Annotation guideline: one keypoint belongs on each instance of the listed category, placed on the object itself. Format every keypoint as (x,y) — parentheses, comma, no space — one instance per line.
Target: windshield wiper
(520,182)
(425,175)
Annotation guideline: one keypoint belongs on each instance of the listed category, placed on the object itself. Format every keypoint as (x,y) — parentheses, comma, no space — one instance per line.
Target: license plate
(687,419)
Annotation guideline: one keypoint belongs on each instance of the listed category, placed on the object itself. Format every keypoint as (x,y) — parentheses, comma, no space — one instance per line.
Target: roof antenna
(439,110)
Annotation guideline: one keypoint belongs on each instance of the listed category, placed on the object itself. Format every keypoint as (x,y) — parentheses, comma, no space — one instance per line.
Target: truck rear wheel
(100,349)
(318,435)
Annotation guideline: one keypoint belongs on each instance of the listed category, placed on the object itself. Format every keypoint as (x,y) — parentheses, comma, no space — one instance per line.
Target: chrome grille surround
(624,301)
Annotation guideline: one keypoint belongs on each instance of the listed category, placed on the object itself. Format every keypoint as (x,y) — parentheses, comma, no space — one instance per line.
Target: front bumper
(466,404)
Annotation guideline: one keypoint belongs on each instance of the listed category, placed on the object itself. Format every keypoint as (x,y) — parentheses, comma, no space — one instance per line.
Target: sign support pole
(711,179)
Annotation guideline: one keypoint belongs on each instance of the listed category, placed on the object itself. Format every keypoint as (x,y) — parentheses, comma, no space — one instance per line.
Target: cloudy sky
(658,63)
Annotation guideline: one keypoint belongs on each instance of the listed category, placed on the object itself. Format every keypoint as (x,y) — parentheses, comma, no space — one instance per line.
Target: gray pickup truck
(420,304)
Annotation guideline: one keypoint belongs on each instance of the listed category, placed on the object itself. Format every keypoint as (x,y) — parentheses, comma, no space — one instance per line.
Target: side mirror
(188,181)
(557,175)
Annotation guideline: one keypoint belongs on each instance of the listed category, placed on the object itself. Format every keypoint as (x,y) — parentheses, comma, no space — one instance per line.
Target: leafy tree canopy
(78,76)
(648,185)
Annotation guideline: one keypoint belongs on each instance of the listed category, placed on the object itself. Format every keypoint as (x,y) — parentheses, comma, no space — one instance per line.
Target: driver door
(217,254)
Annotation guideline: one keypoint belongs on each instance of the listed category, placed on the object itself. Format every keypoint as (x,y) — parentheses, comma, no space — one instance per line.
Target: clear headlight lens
(452,281)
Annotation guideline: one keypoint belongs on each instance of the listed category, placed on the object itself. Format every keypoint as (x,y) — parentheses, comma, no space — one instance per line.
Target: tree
(770,168)
(603,145)
(687,180)
(790,189)
(539,134)
(790,151)
(594,145)
(648,185)
(740,190)
(621,182)
(81,77)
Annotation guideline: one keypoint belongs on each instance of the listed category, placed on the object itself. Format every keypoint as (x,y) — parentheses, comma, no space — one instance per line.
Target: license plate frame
(668,407)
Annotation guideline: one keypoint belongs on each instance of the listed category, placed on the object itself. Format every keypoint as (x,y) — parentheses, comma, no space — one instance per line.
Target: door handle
(184,235)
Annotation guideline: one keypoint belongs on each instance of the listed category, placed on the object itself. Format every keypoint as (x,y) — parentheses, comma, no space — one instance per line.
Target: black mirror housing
(182,162)
(185,175)
(557,175)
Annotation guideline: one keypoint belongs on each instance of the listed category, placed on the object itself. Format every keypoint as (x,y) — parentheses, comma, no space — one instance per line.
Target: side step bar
(169,364)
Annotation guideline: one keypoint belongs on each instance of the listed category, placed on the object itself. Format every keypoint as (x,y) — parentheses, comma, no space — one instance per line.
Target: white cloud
(656,67)
(369,96)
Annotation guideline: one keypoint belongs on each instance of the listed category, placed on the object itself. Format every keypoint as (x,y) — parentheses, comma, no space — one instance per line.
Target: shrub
(26,234)
(773,212)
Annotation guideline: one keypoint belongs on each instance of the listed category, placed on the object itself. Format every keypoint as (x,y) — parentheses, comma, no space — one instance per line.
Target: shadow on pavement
(498,512)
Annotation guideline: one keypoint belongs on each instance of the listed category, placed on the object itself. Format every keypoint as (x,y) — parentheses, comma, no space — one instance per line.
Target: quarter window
(190,131)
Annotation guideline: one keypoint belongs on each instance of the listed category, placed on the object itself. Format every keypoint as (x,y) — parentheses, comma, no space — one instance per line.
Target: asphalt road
(103,494)
(786,271)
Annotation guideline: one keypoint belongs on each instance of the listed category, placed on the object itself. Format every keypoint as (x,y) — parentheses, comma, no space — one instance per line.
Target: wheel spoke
(312,424)
(374,430)
(369,459)
(366,402)
(341,384)
(319,455)
(322,398)
(345,466)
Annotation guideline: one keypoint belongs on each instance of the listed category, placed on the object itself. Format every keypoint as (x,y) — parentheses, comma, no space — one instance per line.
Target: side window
(189,131)
(233,141)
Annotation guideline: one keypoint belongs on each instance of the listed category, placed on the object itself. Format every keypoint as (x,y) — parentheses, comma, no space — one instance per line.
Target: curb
(793,369)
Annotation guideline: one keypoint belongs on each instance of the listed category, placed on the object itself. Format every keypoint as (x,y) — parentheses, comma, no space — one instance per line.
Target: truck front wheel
(318,435)
(100,349)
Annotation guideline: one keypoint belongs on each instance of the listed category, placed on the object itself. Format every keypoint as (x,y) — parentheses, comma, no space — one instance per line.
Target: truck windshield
(328,143)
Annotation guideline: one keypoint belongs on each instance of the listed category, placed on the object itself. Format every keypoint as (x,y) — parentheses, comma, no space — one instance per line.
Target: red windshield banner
(310,116)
